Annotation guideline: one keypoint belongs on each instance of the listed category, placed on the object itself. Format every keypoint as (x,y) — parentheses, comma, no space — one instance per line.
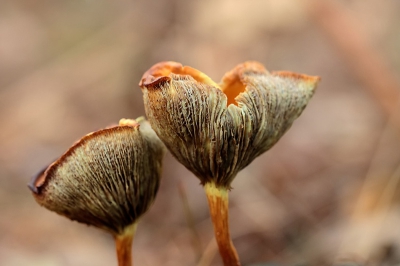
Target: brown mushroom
(215,130)
(108,179)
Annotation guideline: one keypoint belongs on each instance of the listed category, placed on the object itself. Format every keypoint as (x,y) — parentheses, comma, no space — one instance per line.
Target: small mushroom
(108,179)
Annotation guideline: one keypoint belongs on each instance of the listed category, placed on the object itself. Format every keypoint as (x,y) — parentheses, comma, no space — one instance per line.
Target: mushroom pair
(109,178)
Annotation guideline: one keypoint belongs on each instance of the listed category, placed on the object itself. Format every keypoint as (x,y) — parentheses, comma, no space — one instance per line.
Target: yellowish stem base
(218,202)
(123,243)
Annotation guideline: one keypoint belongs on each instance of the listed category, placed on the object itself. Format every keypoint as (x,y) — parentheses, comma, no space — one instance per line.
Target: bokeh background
(328,192)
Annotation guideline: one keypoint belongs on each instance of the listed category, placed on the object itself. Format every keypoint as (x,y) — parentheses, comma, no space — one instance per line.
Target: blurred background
(327,193)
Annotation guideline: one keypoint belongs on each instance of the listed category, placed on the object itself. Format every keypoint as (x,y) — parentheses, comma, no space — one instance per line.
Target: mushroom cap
(215,130)
(107,179)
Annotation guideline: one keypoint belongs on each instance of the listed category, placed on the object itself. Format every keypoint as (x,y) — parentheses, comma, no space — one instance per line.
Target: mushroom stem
(218,202)
(123,243)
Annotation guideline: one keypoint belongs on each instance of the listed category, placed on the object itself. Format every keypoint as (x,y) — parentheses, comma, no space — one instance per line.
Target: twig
(366,63)
(190,221)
